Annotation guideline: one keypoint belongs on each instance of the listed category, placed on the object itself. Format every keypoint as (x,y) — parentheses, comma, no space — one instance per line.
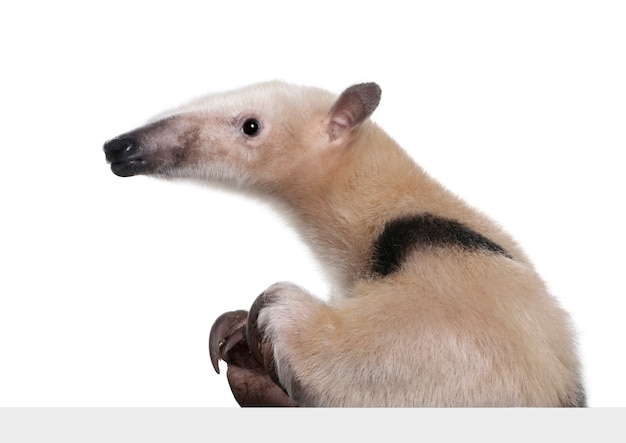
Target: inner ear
(353,106)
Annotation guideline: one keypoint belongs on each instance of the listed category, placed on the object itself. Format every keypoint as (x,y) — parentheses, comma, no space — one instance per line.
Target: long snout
(125,155)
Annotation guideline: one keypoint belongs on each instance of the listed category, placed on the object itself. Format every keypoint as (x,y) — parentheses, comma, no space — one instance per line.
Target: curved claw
(252,331)
(227,330)
(261,349)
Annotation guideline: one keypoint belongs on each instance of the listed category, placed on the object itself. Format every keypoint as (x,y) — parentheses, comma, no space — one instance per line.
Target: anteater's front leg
(291,332)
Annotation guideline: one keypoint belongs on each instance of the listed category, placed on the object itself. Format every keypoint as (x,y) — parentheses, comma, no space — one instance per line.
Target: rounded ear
(353,106)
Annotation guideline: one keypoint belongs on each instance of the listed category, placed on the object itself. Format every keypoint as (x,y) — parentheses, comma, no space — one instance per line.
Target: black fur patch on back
(404,235)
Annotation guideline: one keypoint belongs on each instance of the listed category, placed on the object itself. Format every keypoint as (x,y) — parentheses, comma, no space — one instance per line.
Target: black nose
(125,155)
(120,148)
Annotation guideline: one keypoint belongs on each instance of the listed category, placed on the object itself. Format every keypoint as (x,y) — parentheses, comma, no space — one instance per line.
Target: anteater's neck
(341,212)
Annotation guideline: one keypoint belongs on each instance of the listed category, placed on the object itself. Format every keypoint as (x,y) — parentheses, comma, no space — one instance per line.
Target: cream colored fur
(451,328)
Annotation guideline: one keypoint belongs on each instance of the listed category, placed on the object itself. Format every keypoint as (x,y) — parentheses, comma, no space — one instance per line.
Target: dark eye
(251,127)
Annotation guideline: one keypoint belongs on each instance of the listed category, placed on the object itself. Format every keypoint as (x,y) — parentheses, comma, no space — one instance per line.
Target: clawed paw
(235,339)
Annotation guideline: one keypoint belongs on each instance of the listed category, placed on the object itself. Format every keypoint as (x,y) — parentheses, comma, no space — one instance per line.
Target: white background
(109,286)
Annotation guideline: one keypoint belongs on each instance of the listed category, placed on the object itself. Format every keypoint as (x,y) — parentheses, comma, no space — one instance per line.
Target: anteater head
(259,135)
